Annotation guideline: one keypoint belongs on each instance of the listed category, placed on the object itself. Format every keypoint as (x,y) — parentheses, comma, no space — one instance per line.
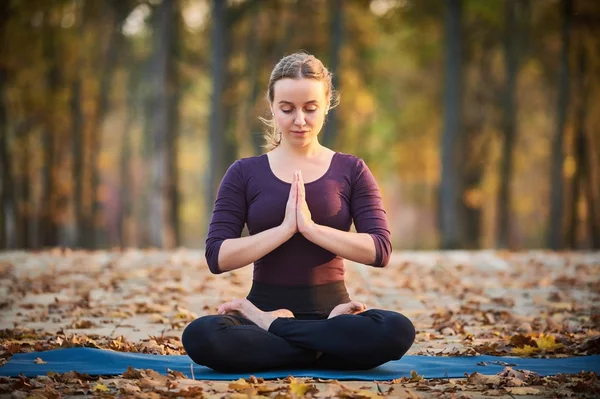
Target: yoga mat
(107,362)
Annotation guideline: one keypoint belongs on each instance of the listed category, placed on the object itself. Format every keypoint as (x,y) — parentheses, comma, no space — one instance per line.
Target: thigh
(231,343)
(365,340)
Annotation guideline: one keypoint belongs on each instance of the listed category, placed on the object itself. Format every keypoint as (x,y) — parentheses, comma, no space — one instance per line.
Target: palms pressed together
(298,219)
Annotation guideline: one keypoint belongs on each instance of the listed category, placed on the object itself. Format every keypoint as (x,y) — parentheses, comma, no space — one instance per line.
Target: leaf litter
(525,304)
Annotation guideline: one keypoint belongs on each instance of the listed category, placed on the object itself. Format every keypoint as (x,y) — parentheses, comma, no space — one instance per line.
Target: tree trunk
(77,150)
(555,231)
(162,230)
(173,237)
(125,206)
(336,36)
(48,228)
(476,148)
(578,185)
(6,176)
(592,198)
(7,203)
(253,57)
(115,42)
(511,62)
(21,195)
(450,220)
(125,212)
(216,127)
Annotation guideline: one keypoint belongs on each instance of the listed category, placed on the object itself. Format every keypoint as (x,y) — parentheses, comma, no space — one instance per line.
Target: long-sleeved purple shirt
(251,194)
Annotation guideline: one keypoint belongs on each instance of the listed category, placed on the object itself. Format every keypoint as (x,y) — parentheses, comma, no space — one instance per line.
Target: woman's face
(299,107)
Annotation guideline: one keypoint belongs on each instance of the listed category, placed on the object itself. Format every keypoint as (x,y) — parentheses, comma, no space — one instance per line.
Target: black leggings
(231,343)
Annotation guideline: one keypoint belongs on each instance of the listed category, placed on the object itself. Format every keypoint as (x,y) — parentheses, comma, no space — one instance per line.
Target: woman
(299,201)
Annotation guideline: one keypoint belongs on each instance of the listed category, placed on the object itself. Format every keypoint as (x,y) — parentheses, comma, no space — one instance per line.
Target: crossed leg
(244,338)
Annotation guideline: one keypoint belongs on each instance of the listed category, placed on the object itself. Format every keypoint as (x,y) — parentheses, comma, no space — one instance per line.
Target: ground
(462,303)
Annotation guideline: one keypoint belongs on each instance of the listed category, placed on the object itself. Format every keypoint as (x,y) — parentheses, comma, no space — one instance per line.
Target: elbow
(385,260)
(212,257)
(383,250)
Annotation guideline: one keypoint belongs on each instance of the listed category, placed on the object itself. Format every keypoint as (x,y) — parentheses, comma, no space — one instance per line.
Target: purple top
(250,193)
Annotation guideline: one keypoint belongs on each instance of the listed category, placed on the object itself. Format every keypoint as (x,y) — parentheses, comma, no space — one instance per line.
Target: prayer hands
(297,215)
(303,217)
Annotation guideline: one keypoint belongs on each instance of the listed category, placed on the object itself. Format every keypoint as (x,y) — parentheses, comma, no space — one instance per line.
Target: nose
(300,121)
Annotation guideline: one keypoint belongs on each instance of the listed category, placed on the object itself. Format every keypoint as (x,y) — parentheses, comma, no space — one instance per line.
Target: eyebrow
(308,102)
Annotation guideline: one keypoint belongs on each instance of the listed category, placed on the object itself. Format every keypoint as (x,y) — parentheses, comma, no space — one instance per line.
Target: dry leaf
(525,351)
(522,390)
(414,377)
(548,343)
(300,389)
(239,385)
(101,388)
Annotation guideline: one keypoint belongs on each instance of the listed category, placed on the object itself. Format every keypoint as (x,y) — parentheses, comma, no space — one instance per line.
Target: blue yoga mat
(107,362)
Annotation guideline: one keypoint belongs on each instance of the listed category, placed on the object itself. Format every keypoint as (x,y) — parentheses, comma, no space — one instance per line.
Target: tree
(336,11)
(217,122)
(6,177)
(514,11)
(555,231)
(163,128)
(450,219)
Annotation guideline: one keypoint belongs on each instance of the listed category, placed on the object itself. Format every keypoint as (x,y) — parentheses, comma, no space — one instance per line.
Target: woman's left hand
(303,216)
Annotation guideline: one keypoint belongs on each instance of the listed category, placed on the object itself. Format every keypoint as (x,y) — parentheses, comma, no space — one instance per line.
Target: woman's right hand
(289,222)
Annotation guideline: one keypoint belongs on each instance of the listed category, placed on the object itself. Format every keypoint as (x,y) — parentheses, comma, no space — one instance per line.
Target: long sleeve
(229,214)
(368,213)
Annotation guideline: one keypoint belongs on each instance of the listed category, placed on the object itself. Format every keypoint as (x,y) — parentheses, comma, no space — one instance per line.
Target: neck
(308,151)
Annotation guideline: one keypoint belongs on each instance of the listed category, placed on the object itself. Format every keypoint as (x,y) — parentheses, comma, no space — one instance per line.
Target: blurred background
(479,118)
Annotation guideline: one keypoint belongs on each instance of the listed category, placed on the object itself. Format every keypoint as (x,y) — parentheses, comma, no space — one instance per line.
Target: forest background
(479,118)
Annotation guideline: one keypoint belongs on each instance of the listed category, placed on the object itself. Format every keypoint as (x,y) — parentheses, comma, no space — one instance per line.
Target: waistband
(306,302)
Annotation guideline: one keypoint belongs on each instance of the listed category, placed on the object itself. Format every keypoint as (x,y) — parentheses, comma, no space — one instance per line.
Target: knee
(198,339)
(396,334)
(401,334)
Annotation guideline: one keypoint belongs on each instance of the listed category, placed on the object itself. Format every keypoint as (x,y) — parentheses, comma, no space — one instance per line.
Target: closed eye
(287,111)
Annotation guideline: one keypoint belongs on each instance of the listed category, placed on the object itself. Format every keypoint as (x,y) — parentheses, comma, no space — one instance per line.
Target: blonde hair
(296,66)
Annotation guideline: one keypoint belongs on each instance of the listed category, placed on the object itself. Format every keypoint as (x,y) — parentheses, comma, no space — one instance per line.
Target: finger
(300,191)
(301,180)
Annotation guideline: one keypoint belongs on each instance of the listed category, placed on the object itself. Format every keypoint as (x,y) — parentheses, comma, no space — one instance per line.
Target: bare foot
(352,307)
(251,312)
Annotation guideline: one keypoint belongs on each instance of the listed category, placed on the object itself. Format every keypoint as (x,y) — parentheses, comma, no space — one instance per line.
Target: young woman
(299,201)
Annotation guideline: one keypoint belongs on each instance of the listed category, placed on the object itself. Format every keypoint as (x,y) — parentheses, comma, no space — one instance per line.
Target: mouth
(300,131)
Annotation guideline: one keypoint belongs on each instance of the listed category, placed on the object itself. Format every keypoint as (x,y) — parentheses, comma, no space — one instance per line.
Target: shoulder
(245,166)
(351,163)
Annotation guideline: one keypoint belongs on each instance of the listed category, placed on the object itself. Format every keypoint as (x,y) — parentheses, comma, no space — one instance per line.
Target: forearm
(357,247)
(236,253)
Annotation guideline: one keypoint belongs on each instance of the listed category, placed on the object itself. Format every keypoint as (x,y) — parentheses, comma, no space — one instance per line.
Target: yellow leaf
(525,351)
(101,388)
(548,342)
(414,377)
(239,385)
(300,389)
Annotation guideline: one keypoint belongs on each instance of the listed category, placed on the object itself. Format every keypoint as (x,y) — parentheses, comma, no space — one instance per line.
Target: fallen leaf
(101,388)
(548,343)
(239,385)
(522,390)
(414,377)
(300,389)
(525,351)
